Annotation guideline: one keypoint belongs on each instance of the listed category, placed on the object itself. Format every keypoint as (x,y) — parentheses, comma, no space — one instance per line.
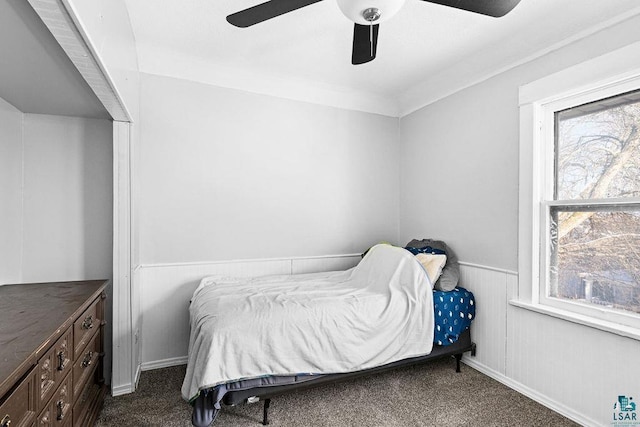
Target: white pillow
(433,265)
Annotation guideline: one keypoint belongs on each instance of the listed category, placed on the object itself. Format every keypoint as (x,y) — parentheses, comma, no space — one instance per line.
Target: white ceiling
(36,76)
(425,52)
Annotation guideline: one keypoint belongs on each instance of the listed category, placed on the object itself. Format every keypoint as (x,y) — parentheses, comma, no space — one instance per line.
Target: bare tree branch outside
(595,245)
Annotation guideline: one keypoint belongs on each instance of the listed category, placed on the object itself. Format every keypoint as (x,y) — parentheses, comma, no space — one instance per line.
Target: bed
(255,338)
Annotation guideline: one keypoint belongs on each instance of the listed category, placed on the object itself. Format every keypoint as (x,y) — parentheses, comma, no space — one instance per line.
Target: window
(579,226)
(592,210)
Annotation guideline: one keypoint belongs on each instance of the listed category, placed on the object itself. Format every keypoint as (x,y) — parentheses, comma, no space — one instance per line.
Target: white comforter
(378,312)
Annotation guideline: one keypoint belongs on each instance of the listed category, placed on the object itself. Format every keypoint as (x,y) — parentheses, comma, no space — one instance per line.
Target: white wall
(226,174)
(10,193)
(56,198)
(467,144)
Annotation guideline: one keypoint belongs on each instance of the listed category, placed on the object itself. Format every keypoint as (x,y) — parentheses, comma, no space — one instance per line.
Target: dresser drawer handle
(87,359)
(60,407)
(6,421)
(61,360)
(88,322)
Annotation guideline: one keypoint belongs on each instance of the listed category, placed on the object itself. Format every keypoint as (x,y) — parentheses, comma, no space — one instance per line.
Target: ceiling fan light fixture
(364,12)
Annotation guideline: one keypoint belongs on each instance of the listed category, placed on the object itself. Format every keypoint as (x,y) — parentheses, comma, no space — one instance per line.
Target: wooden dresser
(51,348)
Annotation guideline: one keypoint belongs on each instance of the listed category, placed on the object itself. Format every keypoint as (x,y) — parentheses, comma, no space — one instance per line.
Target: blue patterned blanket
(454,310)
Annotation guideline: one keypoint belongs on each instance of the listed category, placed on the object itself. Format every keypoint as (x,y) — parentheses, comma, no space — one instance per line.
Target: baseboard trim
(164,363)
(530,393)
(122,389)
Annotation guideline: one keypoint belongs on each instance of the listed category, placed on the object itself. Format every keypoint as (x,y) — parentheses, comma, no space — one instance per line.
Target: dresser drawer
(19,408)
(85,326)
(62,355)
(45,379)
(86,404)
(58,412)
(62,403)
(52,367)
(85,363)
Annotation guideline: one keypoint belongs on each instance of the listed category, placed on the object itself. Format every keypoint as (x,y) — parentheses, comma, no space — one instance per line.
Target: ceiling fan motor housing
(364,12)
(371,14)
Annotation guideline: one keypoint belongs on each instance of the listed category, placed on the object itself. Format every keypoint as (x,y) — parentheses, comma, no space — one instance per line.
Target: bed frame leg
(265,412)
(458,358)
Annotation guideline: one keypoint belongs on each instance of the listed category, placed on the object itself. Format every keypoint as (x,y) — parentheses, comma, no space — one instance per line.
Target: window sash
(545,268)
(545,176)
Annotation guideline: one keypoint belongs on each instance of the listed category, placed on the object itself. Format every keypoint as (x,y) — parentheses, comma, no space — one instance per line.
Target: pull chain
(371,36)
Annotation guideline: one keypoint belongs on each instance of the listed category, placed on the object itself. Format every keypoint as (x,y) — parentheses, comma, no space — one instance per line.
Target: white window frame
(608,75)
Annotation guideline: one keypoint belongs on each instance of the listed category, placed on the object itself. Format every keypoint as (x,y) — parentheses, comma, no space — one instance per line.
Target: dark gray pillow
(451,272)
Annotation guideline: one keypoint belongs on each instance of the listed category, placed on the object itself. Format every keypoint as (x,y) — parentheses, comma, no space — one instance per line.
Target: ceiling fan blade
(264,11)
(495,8)
(363,37)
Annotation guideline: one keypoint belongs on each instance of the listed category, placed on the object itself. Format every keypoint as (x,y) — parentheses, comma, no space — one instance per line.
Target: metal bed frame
(266,393)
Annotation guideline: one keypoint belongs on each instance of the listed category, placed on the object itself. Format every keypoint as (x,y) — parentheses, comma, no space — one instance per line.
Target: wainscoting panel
(573,369)
(166,289)
(579,371)
(315,265)
(492,288)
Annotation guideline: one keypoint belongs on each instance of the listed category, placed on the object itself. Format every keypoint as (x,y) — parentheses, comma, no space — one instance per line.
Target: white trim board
(124,345)
(485,267)
(62,20)
(166,363)
(238,261)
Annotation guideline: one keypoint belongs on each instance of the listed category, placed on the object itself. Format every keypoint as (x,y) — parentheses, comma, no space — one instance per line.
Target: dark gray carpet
(427,395)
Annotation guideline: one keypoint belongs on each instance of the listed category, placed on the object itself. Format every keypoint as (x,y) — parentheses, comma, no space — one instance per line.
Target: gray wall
(56,199)
(224,174)
(459,157)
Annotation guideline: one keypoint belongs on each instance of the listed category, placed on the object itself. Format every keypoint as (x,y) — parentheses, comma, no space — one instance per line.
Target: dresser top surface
(33,315)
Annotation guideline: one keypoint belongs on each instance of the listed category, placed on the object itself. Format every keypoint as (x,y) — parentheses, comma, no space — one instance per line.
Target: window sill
(603,325)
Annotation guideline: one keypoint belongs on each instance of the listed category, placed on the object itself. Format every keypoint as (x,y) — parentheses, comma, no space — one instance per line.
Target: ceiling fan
(366,15)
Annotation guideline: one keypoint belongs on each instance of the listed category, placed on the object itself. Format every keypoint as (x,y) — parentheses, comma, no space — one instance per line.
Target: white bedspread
(378,312)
